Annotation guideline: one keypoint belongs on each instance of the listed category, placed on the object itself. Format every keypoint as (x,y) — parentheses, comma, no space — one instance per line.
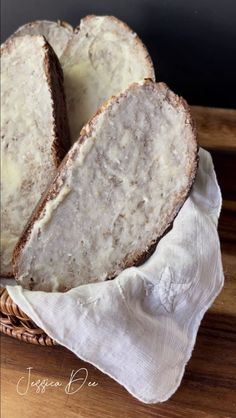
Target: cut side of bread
(34,132)
(101,58)
(57,33)
(115,194)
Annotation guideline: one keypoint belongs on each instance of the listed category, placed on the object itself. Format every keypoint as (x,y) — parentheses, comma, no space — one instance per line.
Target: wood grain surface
(208,388)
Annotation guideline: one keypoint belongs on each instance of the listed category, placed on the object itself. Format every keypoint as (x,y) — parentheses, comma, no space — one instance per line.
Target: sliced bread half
(100,59)
(34,132)
(116,192)
(57,33)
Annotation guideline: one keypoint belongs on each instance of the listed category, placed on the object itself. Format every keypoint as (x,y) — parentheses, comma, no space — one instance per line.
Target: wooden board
(208,388)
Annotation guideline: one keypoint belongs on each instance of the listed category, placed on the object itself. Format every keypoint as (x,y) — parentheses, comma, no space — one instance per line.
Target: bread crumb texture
(121,186)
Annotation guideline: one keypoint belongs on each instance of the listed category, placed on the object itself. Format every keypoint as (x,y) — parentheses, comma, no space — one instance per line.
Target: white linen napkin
(140,328)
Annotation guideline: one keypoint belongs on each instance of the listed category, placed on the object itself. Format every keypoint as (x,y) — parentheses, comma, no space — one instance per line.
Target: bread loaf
(116,192)
(100,59)
(57,33)
(34,132)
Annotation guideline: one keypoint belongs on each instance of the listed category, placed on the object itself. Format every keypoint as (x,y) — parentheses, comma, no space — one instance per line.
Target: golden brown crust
(53,189)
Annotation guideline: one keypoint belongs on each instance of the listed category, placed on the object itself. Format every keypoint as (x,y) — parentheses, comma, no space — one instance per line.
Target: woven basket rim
(15,323)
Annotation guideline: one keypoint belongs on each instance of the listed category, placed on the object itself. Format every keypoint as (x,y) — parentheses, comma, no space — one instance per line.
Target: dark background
(192,43)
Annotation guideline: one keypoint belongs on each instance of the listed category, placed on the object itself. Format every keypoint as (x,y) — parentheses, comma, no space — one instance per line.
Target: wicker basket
(14,322)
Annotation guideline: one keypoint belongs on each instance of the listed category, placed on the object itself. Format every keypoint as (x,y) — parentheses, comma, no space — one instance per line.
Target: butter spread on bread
(102,58)
(115,194)
(57,33)
(34,132)
(99,59)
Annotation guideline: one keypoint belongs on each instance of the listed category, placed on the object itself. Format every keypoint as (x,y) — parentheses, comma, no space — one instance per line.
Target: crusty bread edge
(61,132)
(75,30)
(59,22)
(53,189)
(123,25)
(61,135)
(140,257)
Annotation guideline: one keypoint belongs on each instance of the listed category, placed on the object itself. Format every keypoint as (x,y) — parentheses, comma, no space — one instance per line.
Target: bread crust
(139,258)
(26,29)
(61,135)
(52,191)
(125,27)
(75,30)
(61,132)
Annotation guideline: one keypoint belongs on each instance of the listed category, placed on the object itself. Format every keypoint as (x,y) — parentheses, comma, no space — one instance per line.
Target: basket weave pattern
(14,322)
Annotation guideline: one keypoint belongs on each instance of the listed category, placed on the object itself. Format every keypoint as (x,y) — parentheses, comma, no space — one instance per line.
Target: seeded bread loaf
(116,192)
(101,58)
(34,132)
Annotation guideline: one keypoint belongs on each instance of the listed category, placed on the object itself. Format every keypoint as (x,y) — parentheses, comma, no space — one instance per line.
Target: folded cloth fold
(140,328)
